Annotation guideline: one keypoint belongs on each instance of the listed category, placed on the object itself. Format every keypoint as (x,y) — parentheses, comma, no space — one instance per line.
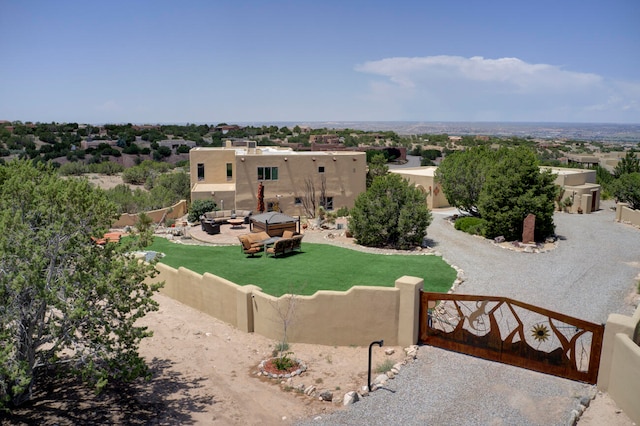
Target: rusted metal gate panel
(512,332)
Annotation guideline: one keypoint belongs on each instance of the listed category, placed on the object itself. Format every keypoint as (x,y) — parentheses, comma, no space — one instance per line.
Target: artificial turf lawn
(317,267)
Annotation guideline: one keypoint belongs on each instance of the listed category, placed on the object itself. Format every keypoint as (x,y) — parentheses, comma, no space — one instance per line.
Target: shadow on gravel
(428,242)
(167,398)
(561,237)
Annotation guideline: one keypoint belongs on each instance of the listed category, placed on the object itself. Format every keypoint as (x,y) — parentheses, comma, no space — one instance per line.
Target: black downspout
(379,343)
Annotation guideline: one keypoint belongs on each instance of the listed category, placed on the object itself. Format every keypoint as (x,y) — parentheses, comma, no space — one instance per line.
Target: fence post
(409,309)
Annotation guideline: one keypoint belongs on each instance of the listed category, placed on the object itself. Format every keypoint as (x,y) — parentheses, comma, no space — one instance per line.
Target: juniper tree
(64,299)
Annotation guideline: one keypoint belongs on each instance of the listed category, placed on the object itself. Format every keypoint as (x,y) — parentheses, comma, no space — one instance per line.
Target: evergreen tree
(515,187)
(391,213)
(64,299)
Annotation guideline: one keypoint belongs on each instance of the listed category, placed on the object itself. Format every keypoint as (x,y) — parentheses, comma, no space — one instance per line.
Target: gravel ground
(588,275)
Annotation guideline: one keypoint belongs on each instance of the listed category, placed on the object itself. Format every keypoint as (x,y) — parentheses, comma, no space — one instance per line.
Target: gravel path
(588,275)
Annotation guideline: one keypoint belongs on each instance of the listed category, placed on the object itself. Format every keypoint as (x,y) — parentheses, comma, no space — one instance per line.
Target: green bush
(470,225)
(200,207)
(342,212)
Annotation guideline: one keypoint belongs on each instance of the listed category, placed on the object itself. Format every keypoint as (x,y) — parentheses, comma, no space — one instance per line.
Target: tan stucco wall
(625,214)
(354,317)
(344,172)
(423,179)
(619,372)
(174,212)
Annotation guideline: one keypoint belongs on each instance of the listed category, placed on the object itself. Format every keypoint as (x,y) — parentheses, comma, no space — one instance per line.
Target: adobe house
(230,175)
(423,178)
(580,186)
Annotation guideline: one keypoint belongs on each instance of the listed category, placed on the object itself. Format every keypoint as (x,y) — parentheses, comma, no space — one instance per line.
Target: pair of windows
(201,171)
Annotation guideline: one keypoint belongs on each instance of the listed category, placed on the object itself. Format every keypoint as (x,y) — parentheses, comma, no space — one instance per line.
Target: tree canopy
(391,213)
(515,187)
(462,175)
(627,189)
(63,298)
(630,163)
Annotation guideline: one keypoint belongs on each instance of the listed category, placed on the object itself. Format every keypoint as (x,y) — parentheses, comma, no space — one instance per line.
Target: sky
(157,61)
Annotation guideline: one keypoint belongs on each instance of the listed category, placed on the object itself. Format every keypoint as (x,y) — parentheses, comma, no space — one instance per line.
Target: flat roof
(272,150)
(416,171)
(566,170)
(213,187)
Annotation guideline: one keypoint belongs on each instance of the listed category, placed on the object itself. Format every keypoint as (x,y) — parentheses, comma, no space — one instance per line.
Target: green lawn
(317,267)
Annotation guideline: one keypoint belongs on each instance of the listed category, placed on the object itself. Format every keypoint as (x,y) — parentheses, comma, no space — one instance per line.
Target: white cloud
(458,88)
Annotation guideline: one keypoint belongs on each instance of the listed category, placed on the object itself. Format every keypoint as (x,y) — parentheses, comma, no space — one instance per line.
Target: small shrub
(342,212)
(387,365)
(284,361)
(280,348)
(200,207)
(470,225)
(319,381)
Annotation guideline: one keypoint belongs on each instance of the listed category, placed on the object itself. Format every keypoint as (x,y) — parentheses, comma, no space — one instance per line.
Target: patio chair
(248,247)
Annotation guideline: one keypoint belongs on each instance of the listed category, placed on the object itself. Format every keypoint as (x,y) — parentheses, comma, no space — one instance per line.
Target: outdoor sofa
(288,243)
(222,216)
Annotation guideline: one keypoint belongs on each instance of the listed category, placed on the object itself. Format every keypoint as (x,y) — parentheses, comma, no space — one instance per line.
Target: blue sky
(349,60)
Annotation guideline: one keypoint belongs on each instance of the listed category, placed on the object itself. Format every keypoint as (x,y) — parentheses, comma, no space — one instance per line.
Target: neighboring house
(580,186)
(423,178)
(175,143)
(231,175)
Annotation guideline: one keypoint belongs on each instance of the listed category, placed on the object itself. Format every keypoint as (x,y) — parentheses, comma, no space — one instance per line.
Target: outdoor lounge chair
(249,247)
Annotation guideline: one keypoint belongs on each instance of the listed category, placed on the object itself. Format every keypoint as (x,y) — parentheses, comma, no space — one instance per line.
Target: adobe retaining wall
(626,214)
(354,317)
(619,373)
(174,212)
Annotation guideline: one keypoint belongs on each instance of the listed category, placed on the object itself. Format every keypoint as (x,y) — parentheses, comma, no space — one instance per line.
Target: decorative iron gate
(512,332)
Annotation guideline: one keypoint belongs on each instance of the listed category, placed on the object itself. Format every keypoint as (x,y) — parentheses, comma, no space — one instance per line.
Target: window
(267,173)
(229,171)
(297,201)
(327,203)
(321,169)
(200,171)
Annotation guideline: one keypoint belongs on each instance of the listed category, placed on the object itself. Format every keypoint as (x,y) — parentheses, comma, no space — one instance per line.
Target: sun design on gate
(540,332)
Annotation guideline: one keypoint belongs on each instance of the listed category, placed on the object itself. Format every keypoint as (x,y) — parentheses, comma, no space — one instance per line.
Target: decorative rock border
(302,367)
(327,395)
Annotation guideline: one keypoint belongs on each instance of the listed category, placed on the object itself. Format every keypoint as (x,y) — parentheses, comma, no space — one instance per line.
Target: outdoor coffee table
(235,223)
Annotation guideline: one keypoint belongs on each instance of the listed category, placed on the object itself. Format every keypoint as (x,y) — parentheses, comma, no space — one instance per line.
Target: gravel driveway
(588,276)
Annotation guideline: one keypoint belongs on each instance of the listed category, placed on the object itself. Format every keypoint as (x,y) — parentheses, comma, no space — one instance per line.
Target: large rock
(528,229)
(326,395)
(350,398)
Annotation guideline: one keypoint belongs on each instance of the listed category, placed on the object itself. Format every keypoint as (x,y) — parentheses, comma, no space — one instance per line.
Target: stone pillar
(244,307)
(409,309)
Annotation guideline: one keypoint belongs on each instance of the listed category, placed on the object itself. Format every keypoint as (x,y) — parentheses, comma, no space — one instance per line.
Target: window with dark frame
(320,169)
(229,171)
(200,171)
(267,173)
(297,201)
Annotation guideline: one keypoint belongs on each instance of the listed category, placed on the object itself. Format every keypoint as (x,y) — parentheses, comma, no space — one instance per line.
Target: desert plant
(284,362)
(342,212)
(386,365)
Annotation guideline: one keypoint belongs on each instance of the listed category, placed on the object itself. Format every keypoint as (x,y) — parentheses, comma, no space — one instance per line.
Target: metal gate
(512,332)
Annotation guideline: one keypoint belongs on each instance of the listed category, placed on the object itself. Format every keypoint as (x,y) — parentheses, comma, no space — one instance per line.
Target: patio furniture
(223,216)
(235,223)
(249,246)
(210,227)
(285,245)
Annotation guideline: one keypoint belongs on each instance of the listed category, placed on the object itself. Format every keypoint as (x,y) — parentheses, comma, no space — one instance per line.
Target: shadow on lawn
(167,398)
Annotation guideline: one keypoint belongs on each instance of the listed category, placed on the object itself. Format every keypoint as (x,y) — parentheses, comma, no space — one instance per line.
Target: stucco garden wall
(355,317)
(174,212)
(619,373)
(625,214)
